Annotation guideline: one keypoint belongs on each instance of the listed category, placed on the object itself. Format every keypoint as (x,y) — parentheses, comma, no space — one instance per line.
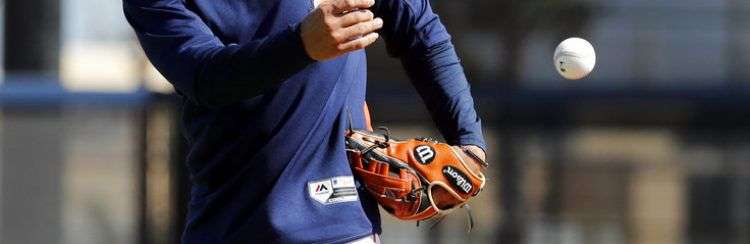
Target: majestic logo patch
(424,154)
(457,178)
(322,188)
(333,190)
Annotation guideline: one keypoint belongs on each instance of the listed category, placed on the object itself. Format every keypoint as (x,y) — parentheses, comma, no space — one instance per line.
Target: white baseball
(574,58)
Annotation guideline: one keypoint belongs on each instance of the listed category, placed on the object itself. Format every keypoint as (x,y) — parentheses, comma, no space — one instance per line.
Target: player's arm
(414,34)
(213,74)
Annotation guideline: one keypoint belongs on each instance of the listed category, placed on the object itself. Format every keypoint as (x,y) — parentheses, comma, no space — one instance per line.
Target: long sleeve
(203,68)
(414,33)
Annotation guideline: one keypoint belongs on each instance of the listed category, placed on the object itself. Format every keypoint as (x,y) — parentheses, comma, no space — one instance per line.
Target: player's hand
(475,150)
(339,26)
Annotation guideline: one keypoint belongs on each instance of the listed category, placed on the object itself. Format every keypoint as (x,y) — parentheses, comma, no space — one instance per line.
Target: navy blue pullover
(265,123)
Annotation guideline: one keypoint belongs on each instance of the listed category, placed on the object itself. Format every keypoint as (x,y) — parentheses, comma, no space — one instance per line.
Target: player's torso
(238,21)
(253,161)
(288,110)
(242,21)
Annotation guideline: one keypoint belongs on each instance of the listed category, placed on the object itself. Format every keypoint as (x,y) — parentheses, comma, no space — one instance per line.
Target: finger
(342,6)
(356,17)
(359,43)
(362,28)
(475,153)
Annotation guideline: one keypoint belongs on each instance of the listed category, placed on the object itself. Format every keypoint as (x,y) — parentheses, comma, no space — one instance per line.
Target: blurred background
(652,147)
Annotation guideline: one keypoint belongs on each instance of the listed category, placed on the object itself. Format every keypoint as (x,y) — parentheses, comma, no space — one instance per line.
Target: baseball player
(269,89)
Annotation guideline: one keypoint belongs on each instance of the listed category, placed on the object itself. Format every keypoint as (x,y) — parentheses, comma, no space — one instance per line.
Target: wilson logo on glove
(458,178)
(424,154)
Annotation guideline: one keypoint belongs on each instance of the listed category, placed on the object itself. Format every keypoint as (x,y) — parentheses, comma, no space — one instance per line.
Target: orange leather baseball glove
(415,179)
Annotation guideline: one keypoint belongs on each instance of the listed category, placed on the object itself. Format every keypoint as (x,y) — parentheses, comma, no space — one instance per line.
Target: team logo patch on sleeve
(333,190)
